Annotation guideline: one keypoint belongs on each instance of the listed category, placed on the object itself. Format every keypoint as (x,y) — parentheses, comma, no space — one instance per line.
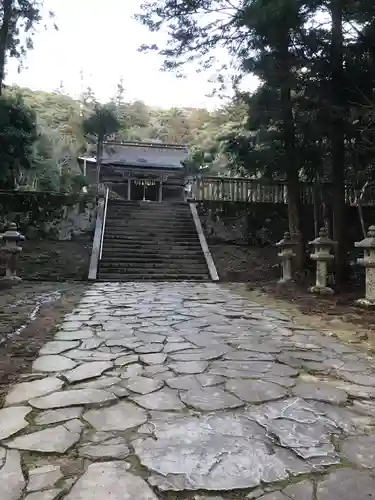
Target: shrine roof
(143,154)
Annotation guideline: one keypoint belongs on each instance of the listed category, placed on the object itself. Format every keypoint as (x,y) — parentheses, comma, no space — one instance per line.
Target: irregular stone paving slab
(110,480)
(365,407)
(300,491)
(346,484)
(76,397)
(275,495)
(360,451)
(74,335)
(256,367)
(357,378)
(153,359)
(27,390)
(248,355)
(165,400)
(51,440)
(263,347)
(129,343)
(44,495)
(189,367)
(12,480)
(44,477)
(148,348)
(299,426)
(119,417)
(320,392)
(255,391)
(89,344)
(133,370)
(206,354)
(183,383)
(109,332)
(85,355)
(143,385)
(13,420)
(177,346)
(208,380)
(150,337)
(87,371)
(210,398)
(55,416)
(110,448)
(126,360)
(101,383)
(57,347)
(344,418)
(71,325)
(283,381)
(53,363)
(151,370)
(214,452)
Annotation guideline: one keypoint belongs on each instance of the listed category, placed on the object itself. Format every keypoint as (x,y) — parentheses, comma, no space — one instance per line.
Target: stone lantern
(368,261)
(285,255)
(322,246)
(10,250)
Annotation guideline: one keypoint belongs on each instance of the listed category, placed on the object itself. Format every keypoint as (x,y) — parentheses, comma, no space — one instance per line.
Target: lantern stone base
(367,303)
(9,281)
(321,290)
(285,281)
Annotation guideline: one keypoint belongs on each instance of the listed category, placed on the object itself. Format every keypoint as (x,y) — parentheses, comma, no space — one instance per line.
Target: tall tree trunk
(4,34)
(338,140)
(292,167)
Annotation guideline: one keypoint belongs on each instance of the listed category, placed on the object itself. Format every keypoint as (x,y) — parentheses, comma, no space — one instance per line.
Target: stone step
(191,266)
(145,210)
(171,253)
(140,229)
(151,236)
(152,277)
(150,221)
(147,204)
(149,239)
(157,259)
(157,249)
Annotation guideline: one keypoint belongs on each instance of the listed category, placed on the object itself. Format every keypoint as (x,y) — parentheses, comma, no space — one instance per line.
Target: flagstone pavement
(150,389)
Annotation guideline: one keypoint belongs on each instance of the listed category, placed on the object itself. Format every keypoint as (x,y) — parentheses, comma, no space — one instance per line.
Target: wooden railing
(242,189)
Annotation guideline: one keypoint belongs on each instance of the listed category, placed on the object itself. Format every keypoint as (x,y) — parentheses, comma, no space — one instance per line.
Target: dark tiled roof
(139,154)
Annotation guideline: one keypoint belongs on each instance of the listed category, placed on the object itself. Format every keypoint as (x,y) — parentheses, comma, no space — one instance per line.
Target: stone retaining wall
(41,215)
(265,223)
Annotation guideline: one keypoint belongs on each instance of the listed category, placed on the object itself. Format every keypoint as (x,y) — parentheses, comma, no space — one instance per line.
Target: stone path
(188,387)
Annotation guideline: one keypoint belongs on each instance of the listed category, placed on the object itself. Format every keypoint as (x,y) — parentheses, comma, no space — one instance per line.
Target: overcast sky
(101,38)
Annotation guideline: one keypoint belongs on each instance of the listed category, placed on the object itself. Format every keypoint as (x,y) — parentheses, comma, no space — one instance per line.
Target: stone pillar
(285,255)
(10,251)
(322,246)
(368,261)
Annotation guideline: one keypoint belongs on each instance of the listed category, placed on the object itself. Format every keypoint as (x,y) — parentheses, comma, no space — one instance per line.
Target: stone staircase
(151,241)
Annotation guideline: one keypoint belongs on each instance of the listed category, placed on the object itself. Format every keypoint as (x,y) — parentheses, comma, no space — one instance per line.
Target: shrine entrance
(145,189)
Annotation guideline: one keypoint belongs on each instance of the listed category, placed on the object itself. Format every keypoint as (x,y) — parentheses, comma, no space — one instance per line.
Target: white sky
(101,38)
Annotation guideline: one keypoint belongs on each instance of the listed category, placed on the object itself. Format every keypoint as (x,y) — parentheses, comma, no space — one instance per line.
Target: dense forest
(61,136)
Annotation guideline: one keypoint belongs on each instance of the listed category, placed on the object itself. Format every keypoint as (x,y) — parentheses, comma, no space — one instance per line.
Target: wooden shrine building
(141,170)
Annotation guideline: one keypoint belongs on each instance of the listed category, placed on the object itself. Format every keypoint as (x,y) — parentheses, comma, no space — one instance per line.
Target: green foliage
(19,20)
(61,134)
(17,136)
(102,122)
